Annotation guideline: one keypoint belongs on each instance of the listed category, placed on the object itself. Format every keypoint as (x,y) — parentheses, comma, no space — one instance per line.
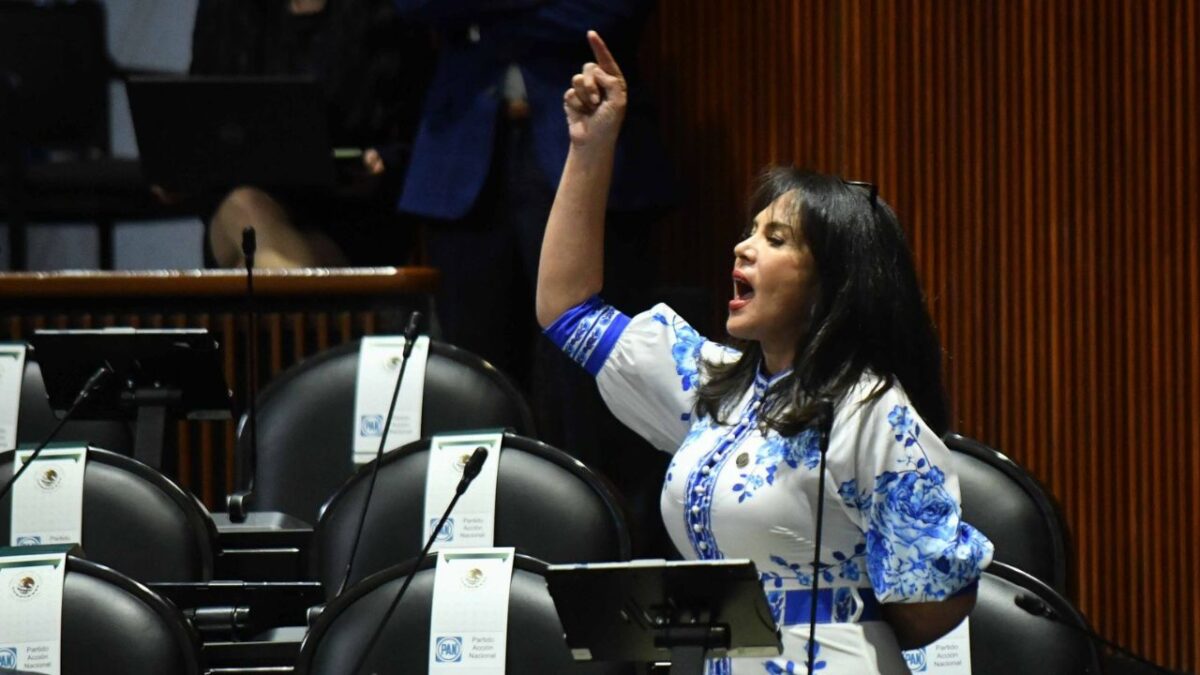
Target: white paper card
(951,655)
(379,359)
(31,611)
(469,620)
(48,498)
(12,371)
(473,521)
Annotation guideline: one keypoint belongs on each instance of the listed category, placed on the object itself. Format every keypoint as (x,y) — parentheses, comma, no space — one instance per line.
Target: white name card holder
(12,372)
(469,620)
(48,498)
(473,522)
(379,360)
(31,586)
(949,655)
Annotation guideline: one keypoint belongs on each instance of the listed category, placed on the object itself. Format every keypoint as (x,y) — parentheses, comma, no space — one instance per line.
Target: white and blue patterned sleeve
(646,366)
(896,481)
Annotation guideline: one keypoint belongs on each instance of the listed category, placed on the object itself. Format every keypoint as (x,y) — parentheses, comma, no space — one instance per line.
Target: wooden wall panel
(1044,157)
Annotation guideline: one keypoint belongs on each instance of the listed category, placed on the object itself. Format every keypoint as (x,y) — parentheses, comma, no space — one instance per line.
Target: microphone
(1038,607)
(470,471)
(410,337)
(239,503)
(824,419)
(102,373)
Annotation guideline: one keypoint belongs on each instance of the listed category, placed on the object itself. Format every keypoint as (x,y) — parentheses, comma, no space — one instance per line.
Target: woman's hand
(595,103)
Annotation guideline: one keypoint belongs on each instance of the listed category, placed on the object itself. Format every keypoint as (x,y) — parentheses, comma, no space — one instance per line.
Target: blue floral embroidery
(723,666)
(917,546)
(685,350)
(844,604)
(751,482)
(852,497)
(791,667)
(801,449)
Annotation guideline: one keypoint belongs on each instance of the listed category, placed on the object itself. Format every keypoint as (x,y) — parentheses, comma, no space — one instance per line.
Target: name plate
(379,361)
(48,498)
(473,522)
(31,586)
(951,655)
(469,619)
(12,372)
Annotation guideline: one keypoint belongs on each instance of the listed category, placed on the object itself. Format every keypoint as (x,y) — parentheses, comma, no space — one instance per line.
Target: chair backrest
(112,625)
(135,520)
(1008,639)
(36,418)
(1013,510)
(548,505)
(306,420)
(343,630)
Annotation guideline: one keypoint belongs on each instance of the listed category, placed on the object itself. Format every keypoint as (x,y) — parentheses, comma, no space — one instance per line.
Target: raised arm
(572,263)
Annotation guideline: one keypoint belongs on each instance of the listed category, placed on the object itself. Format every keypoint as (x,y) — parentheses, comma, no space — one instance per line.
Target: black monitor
(200,133)
(653,610)
(157,374)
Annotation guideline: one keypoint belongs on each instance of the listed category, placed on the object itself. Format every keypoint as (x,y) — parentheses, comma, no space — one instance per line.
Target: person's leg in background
(280,242)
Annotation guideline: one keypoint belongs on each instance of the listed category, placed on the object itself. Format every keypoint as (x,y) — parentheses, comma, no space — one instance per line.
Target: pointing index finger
(604,58)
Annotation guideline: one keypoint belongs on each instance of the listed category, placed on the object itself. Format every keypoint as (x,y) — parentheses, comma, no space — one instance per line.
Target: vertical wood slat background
(1045,160)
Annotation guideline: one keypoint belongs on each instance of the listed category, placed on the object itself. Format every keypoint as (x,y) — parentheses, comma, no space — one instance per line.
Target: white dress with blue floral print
(892,530)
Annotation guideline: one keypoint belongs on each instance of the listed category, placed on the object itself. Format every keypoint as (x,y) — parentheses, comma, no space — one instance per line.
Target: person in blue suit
(486,160)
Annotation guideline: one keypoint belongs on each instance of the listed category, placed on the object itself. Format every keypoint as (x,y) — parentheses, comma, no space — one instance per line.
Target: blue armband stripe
(588,332)
(607,341)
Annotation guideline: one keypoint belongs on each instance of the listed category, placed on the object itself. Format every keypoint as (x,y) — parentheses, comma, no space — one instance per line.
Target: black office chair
(341,633)
(135,520)
(306,420)
(36,419)
(112,625)
(1005,638)
(1013,510)
(548,505)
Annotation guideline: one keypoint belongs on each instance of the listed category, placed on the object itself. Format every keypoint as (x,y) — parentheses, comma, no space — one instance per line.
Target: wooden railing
(301,312)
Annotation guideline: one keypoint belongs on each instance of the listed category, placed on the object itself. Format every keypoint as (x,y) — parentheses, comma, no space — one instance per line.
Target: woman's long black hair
(870,313)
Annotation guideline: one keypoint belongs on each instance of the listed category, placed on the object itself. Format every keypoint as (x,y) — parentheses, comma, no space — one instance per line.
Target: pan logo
(370,425)
(447,531)
(29,540)
(915,658)
(448,649)
(8,658)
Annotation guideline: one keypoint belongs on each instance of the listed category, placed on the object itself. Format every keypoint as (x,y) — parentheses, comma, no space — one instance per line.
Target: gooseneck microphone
(92,383)
(1038,607)
(239,502)
(410,338)
(470,471)
(824,426)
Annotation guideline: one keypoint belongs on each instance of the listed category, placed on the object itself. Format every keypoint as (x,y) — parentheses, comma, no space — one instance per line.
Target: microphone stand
(239,502)
(472,469)
(826,424)
(1038,607)
(410,337)
(94,381)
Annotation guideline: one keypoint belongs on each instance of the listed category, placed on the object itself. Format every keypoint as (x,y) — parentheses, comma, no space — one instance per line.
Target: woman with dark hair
(831,338)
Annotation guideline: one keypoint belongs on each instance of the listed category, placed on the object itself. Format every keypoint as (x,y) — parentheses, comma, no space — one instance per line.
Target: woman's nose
(743,249)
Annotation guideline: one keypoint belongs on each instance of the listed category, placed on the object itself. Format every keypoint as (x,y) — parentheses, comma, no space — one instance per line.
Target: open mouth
(742,290)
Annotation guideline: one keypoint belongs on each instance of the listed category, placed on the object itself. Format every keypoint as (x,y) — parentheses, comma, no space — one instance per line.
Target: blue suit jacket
(547,40)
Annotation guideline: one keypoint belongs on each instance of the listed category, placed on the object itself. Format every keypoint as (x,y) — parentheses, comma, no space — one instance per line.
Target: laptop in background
(195,133)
